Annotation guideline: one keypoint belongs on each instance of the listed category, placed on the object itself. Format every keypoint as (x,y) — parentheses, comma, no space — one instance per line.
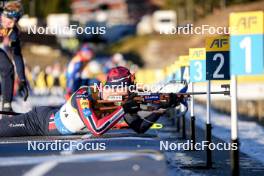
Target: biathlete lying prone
(82,110)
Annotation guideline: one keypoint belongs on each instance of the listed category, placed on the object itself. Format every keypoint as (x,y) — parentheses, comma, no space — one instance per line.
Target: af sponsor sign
(217,58)
(247,42)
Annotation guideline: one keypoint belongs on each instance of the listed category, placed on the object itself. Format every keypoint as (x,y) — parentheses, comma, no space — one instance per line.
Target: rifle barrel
(203,93)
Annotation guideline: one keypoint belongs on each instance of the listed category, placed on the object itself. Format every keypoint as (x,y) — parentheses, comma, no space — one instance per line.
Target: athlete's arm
(97,125)
(17,56)
(136,122)
(141,124)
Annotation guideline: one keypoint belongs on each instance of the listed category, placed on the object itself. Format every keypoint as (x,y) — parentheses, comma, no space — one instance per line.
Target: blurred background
(131,39)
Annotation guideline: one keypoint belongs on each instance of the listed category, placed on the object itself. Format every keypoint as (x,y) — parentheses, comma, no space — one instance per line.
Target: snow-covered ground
(250,133)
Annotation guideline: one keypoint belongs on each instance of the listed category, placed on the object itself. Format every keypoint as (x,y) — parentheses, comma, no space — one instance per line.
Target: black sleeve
(17,56)
(140,124)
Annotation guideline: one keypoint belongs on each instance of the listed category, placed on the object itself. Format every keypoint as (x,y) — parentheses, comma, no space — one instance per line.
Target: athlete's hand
(23,90)
(131,107)
(174,100)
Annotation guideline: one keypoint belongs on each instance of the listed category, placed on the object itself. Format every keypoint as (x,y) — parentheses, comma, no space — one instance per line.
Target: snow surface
(250,133)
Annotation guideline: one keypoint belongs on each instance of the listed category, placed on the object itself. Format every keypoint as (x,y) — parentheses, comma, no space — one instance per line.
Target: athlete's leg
(17,126)
(45,120)
(33,123)
(7,80)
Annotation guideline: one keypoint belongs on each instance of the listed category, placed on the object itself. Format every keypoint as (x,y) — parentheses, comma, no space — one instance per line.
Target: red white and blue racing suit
(76,114)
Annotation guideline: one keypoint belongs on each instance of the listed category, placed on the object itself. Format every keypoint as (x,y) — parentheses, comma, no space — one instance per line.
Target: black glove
(23,90)
(174,100)
(131,107)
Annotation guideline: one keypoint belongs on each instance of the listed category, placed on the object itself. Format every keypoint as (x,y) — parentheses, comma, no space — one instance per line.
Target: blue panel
(214,69)
(238,54)
(197,71)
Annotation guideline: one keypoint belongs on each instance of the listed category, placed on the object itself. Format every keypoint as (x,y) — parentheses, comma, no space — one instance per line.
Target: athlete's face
(8,22)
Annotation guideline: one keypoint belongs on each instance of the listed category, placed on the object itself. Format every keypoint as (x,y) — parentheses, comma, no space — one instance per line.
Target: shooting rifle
(145,98)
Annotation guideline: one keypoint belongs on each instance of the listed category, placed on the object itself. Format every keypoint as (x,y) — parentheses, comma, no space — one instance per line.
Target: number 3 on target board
(197,64)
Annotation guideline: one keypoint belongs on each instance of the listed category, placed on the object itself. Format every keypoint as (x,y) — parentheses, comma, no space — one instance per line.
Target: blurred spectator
(75,68)
(56,88)
(35,72)
(54,79)
(41,86)
(116,60)
(91,72)
(29,77)
(63,81)
(49,79)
